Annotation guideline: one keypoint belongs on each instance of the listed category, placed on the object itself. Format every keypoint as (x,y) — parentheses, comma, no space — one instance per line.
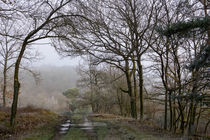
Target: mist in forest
(47,91)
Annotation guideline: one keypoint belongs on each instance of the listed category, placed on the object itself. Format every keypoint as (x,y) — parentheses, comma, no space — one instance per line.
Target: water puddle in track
(64,128)
(86,125)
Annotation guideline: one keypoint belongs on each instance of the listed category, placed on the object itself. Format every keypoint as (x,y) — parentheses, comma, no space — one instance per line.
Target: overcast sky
(50,57)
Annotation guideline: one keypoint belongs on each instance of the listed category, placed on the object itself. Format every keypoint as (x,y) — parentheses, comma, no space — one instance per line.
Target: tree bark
(166,110)
(171,111)
(134,85)
(182,116)
(174,114)
(16,84)
(5,75)
(166,86)
(130,91)
(5,82)
(193,104)
(141,96)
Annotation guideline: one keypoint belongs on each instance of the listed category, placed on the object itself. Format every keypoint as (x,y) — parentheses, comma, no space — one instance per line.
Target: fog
(56,74)
(49,56)
(48,92)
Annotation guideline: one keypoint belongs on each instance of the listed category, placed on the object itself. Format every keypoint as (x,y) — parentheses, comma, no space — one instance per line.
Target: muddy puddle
(87,124)
(83,124)
(64,127)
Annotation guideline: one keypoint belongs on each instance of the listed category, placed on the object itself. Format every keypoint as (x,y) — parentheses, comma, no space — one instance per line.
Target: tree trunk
(5,76)
(119,99)
(198,118)
(193,105)
(130,92)
(174,114)
(179,84)
(166,86)
(166,110)
(141,96)
(16,85)
(206,127)
(182,116)
(5,82)
(171,111)
(135,85)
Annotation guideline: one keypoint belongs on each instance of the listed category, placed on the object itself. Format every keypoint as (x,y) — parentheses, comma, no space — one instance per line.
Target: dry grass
(28,118)
(111,117)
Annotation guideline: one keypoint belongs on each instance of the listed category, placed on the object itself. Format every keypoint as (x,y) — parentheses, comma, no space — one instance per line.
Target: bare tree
(8,53)
(43,18)
(176,79)
(10,46)
(114,36)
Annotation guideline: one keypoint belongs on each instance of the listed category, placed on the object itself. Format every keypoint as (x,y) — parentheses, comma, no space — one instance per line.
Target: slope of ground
(29,124)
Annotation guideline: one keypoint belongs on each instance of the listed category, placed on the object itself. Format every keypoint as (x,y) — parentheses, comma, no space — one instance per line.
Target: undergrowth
(27,119)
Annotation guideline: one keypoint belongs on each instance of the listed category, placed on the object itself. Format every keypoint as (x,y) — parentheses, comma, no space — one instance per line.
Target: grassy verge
(77,117)
(44,132)
(75,134)
(126,128)
(31,124)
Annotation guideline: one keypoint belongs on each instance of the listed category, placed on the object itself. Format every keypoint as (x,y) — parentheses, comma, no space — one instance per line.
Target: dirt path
(82,127)
(76,126)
